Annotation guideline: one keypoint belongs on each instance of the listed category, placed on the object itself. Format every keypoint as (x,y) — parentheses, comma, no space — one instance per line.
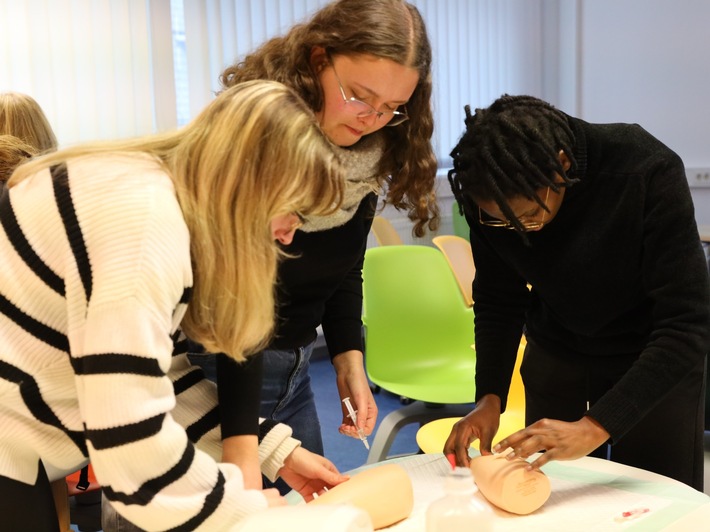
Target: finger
(349,430)
(463,443)
(371,419)
(510,441)
(462,459)
(484,444)
(541,460)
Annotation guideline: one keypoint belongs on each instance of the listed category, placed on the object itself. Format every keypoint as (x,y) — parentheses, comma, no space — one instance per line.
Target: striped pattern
(95,275)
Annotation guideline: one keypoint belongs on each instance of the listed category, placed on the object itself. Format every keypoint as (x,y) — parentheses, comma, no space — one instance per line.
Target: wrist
(347,361)
(489,402)
(597,428)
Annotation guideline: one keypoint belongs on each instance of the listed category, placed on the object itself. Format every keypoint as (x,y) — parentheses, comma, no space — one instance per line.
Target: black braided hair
(510,149)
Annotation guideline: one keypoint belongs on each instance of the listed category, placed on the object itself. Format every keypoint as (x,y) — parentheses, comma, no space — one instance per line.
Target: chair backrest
(418,337)
(385,233)
(461,227)
(457,252)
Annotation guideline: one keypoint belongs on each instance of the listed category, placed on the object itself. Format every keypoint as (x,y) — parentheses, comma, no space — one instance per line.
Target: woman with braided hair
(617,312)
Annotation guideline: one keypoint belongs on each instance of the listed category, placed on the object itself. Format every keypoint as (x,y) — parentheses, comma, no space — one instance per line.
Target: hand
(559,439)
(482,424)
(310,473)
(243,451)
(274,498)
(352,382)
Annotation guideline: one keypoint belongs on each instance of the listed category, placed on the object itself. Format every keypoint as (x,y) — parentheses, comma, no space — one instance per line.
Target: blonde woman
(13,152)
(108,251)
(22,116)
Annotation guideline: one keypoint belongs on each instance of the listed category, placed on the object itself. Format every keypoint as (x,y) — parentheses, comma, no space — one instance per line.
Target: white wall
(642,61)
(648,61)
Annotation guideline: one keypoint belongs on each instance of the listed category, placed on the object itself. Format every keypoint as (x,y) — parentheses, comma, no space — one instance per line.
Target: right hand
(274,498)
(481,424)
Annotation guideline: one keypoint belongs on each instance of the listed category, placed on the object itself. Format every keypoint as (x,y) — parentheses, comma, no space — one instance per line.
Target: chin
(346,143)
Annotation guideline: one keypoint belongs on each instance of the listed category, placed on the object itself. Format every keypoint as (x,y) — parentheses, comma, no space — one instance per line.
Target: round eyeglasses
(363,109)
(528,225)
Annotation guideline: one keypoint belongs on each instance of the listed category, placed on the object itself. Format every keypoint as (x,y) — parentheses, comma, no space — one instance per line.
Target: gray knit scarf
(361,162)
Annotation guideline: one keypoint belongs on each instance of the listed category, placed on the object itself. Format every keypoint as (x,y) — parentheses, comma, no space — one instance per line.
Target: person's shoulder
(132,167)
(630,140)
(108,188)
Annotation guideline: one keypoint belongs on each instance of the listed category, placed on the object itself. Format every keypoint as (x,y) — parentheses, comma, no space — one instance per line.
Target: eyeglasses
(528,225)
(298,223)
(362,109)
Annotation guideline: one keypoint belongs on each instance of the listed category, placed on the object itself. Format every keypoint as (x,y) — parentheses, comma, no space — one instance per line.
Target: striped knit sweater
(95,275)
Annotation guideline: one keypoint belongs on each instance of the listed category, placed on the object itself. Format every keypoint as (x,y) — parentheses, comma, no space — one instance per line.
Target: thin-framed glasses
(363,109)
(528,225)
(298,223)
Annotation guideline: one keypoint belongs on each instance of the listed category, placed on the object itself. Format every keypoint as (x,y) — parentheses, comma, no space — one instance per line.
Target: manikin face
(380,83)
(284,226)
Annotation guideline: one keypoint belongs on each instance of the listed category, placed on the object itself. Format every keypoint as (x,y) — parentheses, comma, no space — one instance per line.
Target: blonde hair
(13,152)
(254,153)
(21,116)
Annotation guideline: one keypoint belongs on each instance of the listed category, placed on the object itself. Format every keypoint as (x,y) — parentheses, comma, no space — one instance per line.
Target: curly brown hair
(390,29)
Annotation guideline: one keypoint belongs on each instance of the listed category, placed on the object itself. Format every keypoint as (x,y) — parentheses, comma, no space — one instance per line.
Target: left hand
(352,382)
(559,439)
(310,473)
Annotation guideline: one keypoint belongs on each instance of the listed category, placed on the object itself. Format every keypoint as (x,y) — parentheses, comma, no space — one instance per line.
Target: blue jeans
(287,397)
(286,394)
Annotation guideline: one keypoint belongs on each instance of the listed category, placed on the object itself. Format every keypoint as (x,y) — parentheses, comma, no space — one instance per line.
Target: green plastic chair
(418,338)
(460,224)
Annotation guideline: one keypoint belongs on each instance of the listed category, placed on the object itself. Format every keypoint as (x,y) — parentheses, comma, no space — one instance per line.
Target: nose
(284,227)
(370,120)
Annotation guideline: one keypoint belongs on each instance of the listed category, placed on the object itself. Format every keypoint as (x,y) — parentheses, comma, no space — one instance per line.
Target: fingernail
(452,460)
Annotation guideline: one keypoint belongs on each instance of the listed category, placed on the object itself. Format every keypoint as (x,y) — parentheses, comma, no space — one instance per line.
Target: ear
(564,160)
(319,58)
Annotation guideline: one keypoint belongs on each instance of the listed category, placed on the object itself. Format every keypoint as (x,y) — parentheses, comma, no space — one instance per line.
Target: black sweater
(618,274)
(322,286)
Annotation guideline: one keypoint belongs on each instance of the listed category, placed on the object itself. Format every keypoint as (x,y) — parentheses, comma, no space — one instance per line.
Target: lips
(354,131)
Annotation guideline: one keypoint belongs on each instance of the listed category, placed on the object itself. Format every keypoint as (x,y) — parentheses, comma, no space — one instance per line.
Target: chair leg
(61,502)
(417,412)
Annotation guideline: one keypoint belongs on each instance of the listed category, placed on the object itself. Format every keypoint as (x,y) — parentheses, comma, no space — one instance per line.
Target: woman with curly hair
(364,67)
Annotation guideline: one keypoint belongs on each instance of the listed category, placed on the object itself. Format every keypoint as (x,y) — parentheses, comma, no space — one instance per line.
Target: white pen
(353,416)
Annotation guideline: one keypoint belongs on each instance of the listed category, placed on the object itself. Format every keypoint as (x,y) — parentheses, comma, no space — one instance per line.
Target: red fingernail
(452,460)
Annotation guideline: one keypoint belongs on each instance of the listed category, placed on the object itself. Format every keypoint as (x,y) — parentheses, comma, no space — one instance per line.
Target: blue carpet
(345,452)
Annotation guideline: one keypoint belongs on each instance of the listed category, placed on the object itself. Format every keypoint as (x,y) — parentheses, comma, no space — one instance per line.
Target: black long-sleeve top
(618,273)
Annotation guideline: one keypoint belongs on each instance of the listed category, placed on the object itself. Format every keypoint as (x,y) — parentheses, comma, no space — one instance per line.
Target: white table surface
(588,494)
